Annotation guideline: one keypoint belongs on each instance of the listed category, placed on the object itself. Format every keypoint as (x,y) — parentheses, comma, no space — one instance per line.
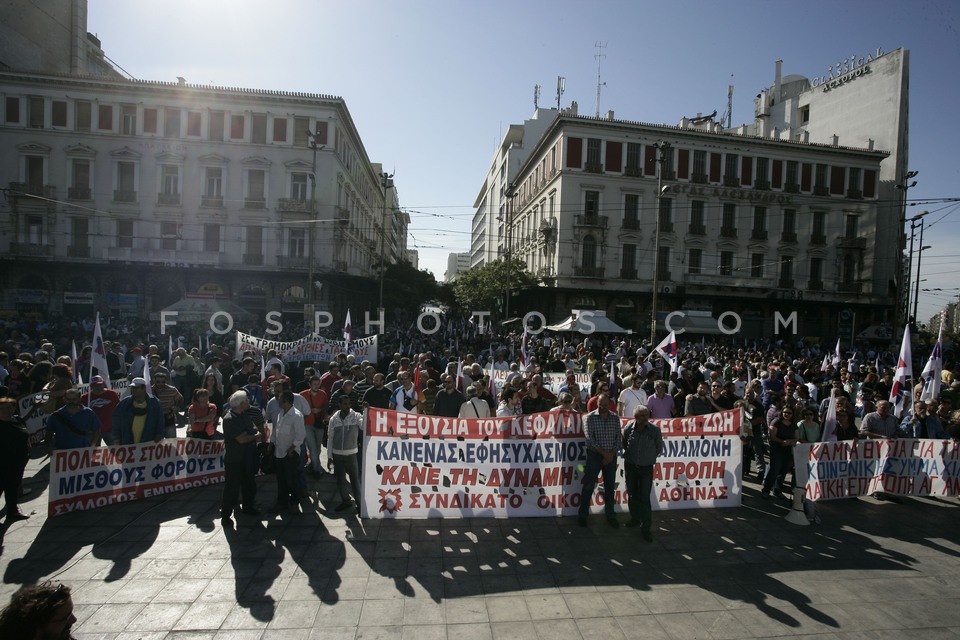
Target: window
(793,172)
(593,152)
(128,120)
(631,209)
(821,177)
(667,164)
(591,203)
(35,112)
(105,117)
(34,229)
(126,182)
(13,110)
(697,208)
(171,122)
(849,275)
(168,236)
(297,243)
(629,262)
(298,187)
(855,177)
(763,171)
(169,183)
(59,115)
(589,255)
(80,180)
(215,132)
(553,160)
(193,123)
(633,158)
(213,182)
(786,271)
(254,241)
(236,127)
(730,166)
(280,130)
(789,223)
(728,224)
(850,225)
(82,115)
(125,234)
(211,238)
(694,263)
(819,224)
(759,222)
(258,128)
(300,128)
(816,270)
(79,233)
(805,114)
(35,177)
(700,163)
(666,214)
(255,186)
(726,263)
(663,263)
(149,120)
(756,265)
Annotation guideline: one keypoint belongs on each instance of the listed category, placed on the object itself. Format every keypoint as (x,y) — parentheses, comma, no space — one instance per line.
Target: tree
(407,288)
(481,288)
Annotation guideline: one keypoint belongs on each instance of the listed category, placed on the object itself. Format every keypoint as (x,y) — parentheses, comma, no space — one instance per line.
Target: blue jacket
(935,430)
(123,421)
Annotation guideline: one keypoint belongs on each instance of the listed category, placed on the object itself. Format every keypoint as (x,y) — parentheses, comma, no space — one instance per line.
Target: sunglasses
(56,598)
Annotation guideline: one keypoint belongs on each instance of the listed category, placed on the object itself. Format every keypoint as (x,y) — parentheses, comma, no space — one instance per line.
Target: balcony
(342,215)
(849,287)
(293,262)
(631,224)
(79,251)
(633,172)
(853,243)
(124,195)
(215,202)
(253,259)
(788,236)
(668,175)
(699,178)
(164,257)
(590,221)
(293,204)
(593,167)
(855,194)
(79,193)
(820,190)
(666,226)
(628,274)
(33,195)
(815,285)
(168,199)
(785,283)
(731,181)
(791,187)
(818,239)
(588,272)
(762,185)
(254,203)
(697,230)
(758,234)
(728,232)
(26,249)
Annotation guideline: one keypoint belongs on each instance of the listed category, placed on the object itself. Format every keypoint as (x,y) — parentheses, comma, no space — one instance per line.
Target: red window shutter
(869,183)
(777,180)
(614,157)
(683,163)
(746,171)
(650,160)
(715,167)
(838,177)
(574,153)
(806,176)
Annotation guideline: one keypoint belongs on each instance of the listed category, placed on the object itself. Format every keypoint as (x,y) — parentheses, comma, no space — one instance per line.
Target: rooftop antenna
(730,103)
(536,97)
(600,46)
(561,85)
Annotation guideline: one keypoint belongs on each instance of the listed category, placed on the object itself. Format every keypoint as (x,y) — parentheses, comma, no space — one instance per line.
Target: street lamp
(312,141)
(386,180)
(916,296)
(915,221)
(663,149)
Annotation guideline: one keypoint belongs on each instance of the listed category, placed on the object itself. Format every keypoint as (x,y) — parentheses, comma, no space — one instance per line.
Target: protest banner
(310,348)
(552,381)
(37,423)
(419,466)
(82,479)
(901,467)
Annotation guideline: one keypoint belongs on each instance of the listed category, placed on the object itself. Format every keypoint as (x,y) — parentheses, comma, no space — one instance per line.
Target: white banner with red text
(310,348)
(418,466)
(37,423)
(901,467)
(82,479)
(552,381)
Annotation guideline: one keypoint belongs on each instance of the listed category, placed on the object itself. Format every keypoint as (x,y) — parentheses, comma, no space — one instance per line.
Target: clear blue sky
(432,84)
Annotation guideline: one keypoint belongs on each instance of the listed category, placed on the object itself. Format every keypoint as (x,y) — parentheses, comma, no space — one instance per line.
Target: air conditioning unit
(666,289)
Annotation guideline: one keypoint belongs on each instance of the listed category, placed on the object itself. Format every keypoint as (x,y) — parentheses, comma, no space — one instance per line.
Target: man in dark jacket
(138,418)
(642,443)
(448,401)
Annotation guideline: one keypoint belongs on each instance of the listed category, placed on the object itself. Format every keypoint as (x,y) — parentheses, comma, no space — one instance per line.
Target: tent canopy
(588,321)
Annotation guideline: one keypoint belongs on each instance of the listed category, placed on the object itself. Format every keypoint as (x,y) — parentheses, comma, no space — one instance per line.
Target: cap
(138,382)
(96,379)
(137,350)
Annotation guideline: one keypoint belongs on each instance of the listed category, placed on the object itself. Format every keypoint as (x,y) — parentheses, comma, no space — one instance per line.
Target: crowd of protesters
(192,381)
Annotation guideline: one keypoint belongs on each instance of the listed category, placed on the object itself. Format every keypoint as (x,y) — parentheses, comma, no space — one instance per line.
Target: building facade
(457,263)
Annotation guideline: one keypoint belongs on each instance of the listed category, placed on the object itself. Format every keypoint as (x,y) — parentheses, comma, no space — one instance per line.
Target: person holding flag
(900,391)
(348,330)
(668,351)
(932,372)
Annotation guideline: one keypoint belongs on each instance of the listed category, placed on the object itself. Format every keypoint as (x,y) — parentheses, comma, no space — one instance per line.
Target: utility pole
(509,255)
(312,138)
(386,181)
(599,56)
(903,301)
(663,148)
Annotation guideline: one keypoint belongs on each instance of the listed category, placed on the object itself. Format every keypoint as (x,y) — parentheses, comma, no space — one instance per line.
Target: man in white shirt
(287,437)
(631,397)
(343,433)
(406,397)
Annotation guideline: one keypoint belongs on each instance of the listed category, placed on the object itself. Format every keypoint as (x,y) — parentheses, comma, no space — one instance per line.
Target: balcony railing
(820,190)
(788,236)
(79,251)
(590,221)
(697,230)
(731,181)
(79,193)
(293,204)
(593,167)
(628,274)
(818,239)
(124,195)
(758,234)
(253,259)
(849,287)
(211,201)
(699,178)
(668,175)
(343,215)
(855,194)
(170,256)
(633,172)
(168,199)
(31,250)
(588,272)
(853,243)
(785,283)
(815,285)
(728,232)
(762,185)
(34,195)
(631,224)
(791,187)
(666,226)
(293,262)
(254,203)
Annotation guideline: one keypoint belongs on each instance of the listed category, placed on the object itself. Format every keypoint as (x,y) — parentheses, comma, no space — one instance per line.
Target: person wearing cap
(139,417)
(102,401)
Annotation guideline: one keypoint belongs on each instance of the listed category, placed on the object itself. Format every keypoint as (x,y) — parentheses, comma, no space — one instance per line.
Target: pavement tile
(466,610)
(547,607)
(506,609)
(294,615)
(379,633)
(162,615)
(109,618)
(469,631)
(381,613)
(204,615)
(600,629)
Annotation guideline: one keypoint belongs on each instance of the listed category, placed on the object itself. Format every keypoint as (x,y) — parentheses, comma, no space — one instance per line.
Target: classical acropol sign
(846,70)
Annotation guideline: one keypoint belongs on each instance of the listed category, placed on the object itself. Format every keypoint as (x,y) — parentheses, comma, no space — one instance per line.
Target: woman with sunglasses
(808,429)
(782,436)
(39,611)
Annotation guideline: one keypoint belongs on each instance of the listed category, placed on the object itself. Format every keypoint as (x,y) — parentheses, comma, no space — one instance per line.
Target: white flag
(668,350)
(830,421)
(900,391)
(933,370)
(98,355)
